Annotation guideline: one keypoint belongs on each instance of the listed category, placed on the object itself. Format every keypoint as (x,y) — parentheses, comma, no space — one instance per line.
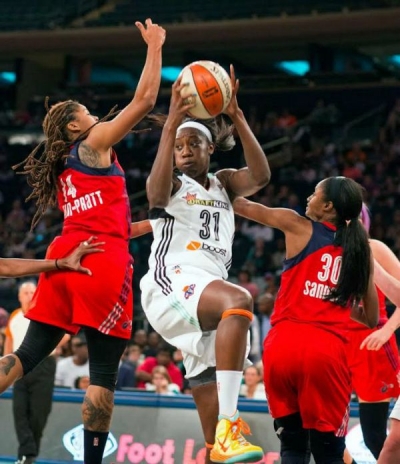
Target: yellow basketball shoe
(230,445)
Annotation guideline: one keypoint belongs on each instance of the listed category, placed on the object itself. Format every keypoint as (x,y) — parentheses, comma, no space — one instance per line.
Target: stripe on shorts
(111,320)
(160,272)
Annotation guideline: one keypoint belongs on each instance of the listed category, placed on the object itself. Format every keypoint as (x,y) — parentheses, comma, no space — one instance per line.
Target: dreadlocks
(43,171)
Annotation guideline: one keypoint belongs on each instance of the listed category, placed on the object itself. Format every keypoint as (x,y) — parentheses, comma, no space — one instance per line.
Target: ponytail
(356,267)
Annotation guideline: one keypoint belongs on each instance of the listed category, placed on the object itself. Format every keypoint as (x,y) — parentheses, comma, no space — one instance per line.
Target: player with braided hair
(79,170)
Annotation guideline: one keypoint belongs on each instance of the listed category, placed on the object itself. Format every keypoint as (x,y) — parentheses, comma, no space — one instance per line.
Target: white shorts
(173,315)
(395,414)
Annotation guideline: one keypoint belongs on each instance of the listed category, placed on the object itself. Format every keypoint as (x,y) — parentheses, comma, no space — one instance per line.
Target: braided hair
(42,171)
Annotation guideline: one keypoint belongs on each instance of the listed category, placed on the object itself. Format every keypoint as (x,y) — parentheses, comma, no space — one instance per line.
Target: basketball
(212,86)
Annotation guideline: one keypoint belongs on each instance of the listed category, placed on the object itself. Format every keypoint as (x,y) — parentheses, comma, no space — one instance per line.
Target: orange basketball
(212,86)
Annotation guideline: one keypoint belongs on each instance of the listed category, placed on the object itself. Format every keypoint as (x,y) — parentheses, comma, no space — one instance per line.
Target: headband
(196,125)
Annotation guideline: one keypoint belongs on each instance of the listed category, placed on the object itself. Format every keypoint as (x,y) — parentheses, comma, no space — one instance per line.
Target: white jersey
(195,230)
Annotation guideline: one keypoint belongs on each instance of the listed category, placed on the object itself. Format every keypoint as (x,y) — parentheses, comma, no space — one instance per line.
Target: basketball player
(328,269)
(374,369)
(80,170)
(185,294)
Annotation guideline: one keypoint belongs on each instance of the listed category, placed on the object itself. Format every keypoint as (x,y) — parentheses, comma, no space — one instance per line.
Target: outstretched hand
(72,262)
(233,105)
(152,34)
(376,339)
(180,106)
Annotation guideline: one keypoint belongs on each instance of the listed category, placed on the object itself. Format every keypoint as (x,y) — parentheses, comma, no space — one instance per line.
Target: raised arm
(105,135)
(257,174)
(159,183)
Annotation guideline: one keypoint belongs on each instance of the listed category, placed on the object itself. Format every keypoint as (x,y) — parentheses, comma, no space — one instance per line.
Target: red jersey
(307,278)
(94,200)
(354,325)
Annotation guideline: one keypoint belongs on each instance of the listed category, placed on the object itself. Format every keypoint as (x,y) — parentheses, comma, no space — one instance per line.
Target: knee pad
(326,447)
(205,377)
(40,340)
(294,438)
(237,312)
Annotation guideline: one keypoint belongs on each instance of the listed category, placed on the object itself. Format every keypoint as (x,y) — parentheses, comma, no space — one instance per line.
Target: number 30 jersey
(305,281)
(196,229)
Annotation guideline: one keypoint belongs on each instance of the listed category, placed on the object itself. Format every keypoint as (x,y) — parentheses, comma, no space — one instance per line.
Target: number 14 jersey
(195,229)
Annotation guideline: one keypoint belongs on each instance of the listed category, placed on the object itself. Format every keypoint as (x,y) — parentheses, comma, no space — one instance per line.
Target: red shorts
(373,373)
(305,371)
(71,299)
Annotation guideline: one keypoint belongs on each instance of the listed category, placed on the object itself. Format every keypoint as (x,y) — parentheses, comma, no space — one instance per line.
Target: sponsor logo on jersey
(193,246)
(189,290)
(177,269)
(386,386)
(127,325)
(191,199)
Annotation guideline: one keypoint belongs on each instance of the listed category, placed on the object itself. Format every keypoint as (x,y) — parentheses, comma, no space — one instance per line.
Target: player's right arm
(161,180)
(105,135)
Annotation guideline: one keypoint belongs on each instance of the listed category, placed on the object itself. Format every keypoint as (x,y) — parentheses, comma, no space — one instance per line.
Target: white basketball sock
(228,385)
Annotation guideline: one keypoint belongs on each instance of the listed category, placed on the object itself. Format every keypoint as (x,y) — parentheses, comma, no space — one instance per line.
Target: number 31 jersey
(195,229)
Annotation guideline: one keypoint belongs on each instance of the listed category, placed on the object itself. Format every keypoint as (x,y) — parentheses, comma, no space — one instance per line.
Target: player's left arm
(140,228)
(249,180)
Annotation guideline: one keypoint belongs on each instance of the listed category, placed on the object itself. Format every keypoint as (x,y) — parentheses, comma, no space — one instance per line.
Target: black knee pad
(39,341)
(104,357)
(326,447)
(373,420)
(294,438)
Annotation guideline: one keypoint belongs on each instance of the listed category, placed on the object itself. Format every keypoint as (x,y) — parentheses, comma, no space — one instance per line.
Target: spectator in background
(265,307)
(253,386)
(286,119)
(258,258)
(82,382)
(77,365)
(163,358)
(33,394)
(161,382)
(140,338)
(131,359)
(153,344)
(245,281)
(240,248)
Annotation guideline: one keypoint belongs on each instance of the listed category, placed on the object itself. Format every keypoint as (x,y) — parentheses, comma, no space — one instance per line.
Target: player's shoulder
(14,314)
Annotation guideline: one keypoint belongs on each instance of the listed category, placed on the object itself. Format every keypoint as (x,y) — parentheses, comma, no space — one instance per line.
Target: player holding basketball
(80,170)
(374,369)
(184,294)
(328,269)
